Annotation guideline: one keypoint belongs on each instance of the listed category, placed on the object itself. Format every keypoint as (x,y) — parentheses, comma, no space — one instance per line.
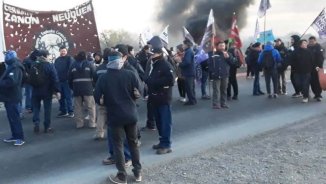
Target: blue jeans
(163,120)
(110,145)
(47,103)
(12,109)
(204,77)
(190,89)
(256,89)
(66,98)
(28,96)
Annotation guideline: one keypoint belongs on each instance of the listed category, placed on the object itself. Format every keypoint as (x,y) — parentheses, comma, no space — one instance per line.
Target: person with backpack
(44,80)
(11,95)
(270,60)
(219,67)
(80,80)
(62,65)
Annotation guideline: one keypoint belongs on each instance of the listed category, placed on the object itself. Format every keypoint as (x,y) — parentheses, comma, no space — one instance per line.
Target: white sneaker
(305,100)
(183,99)
(87,117)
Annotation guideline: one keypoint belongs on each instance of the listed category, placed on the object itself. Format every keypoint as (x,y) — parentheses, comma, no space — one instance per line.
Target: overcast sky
(284,17)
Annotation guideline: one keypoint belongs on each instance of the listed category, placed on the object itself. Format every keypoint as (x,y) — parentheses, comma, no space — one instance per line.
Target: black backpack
(36,75)
(268,60)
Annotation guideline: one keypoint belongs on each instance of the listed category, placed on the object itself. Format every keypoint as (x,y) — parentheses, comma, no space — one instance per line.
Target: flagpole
(312,23)
(265,28)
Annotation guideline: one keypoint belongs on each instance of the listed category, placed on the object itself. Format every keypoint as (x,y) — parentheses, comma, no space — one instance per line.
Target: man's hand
(226,54)
(58,95)
(317,68)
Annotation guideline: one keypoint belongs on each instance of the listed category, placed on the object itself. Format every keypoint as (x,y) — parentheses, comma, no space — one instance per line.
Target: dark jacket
(252,58)
(188,64)
(134,62)
(129,67)
(62,65)
(100,70)
(302,61)
(52,83)
(219,66)
(318,55)
(143,58)
(81,78)
(11,83)
(116,86)
(160,82)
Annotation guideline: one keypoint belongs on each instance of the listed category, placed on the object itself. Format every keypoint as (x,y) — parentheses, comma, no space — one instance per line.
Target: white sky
(284,17)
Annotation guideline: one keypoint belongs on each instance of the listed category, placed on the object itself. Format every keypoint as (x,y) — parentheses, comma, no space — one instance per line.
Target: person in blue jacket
(11,95)
(270,59)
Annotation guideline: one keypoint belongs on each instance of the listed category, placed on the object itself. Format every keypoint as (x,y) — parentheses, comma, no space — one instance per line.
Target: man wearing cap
(117,87)
(188,71)
(160,82)
(11,95)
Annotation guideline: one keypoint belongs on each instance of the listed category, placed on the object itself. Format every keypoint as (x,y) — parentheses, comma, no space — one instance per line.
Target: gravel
(292,154)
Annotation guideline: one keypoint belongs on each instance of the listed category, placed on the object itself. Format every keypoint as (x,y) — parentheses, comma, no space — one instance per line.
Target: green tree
(110,38)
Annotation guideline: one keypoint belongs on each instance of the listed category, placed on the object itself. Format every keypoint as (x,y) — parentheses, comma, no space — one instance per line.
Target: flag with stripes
(187,35)
(234,34)
(320,24)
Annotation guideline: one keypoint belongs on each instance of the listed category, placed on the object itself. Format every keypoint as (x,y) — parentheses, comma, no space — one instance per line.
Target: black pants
(271,75)
(190,89)
(250,71)
(150,123)
(233,82)
(281,82)
(182,87)
(118,135)
(303,83)
(295,86)
(315,85)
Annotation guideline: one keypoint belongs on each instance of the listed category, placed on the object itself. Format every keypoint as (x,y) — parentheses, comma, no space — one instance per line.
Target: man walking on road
(11,95)
(118,87)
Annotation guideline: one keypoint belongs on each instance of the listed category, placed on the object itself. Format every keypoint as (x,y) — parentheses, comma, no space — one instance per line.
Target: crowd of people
(106,87)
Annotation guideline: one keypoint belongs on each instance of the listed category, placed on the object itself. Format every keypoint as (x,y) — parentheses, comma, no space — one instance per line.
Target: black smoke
(193,15)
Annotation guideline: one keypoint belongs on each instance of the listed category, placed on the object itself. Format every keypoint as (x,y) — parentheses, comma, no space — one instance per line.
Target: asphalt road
(71,156)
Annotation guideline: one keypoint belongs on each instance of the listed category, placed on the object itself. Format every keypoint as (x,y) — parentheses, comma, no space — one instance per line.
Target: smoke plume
(194,13)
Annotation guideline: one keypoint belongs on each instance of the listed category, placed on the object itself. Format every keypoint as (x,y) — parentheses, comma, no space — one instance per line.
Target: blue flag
(266,36)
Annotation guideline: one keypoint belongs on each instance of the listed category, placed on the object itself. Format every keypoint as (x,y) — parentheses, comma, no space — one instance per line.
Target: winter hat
(9,55)
(123,49)
(33,56)
(114,56)
(157,50)
(44,53)
(255,45)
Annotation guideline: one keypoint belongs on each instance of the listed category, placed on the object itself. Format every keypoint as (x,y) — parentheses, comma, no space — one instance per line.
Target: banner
(266,36)
(320,24)
(25,30)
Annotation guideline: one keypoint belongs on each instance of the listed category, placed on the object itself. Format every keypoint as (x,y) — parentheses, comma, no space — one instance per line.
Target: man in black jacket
(318,61)
(302,63)
(62,65)
(279,46)
(117,87)
(160,82)
(81,82)
(11,95)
